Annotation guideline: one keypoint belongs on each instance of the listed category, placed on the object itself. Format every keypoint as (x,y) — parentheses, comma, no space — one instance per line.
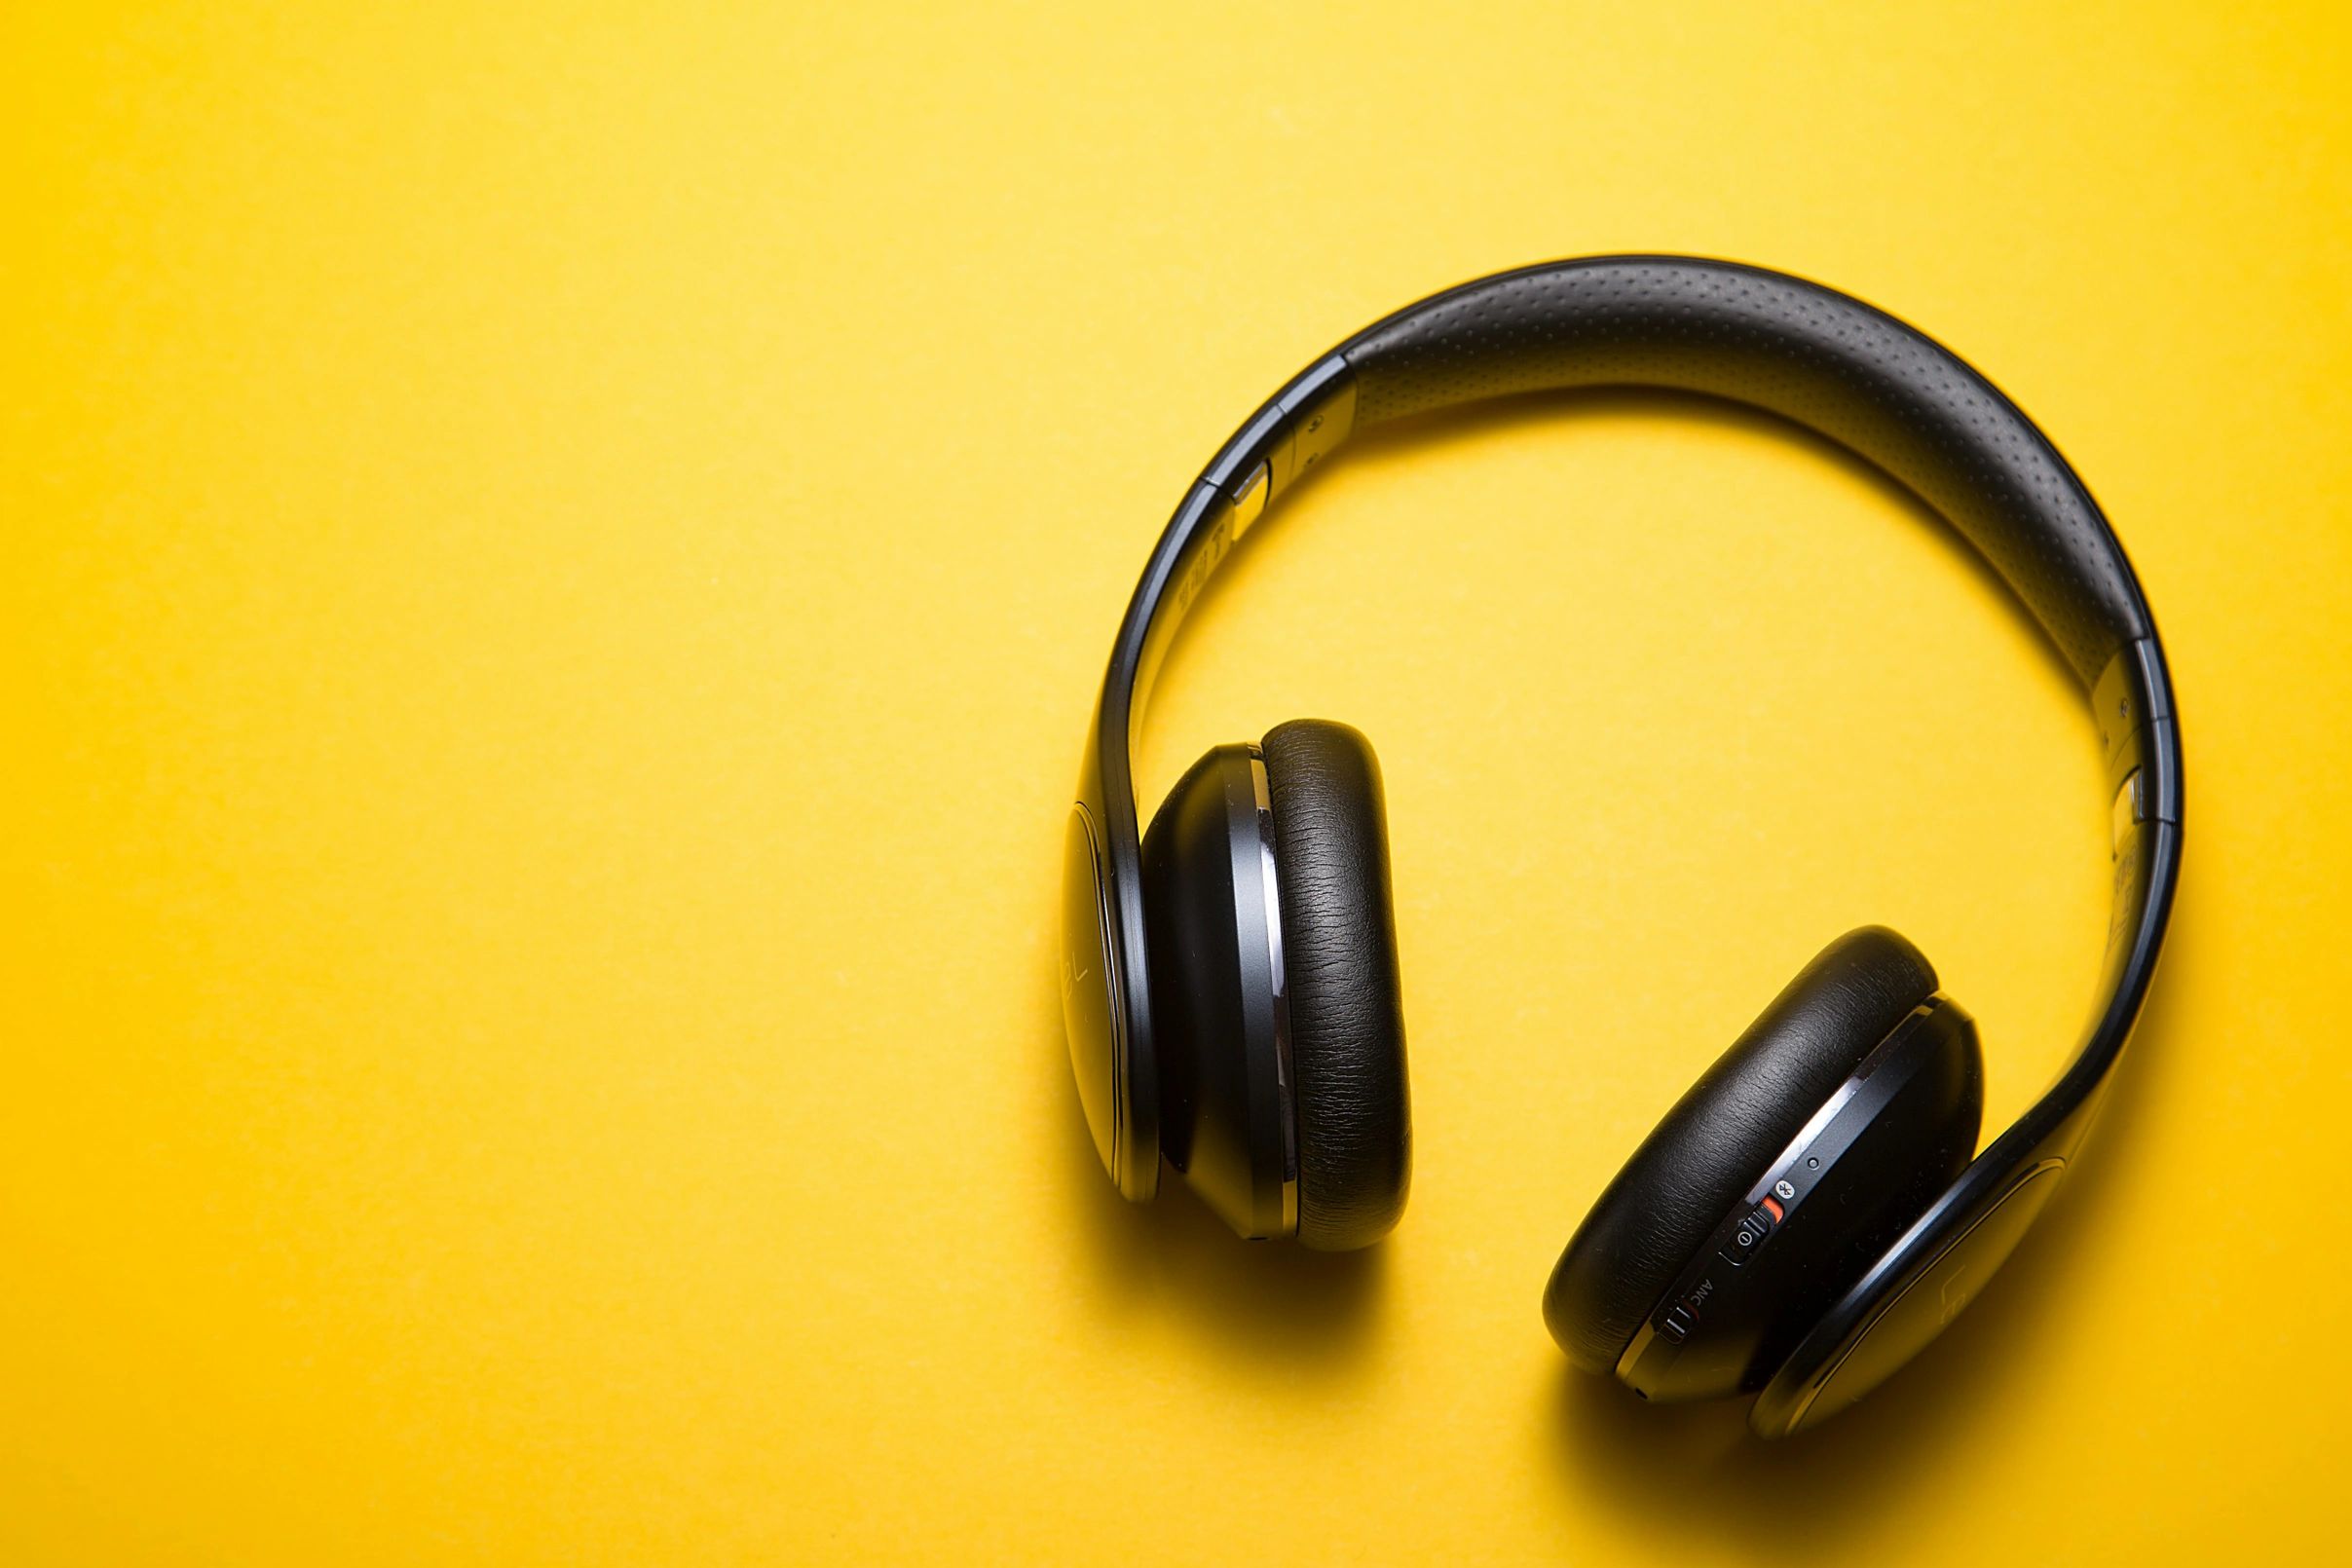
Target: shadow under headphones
(1814,1209)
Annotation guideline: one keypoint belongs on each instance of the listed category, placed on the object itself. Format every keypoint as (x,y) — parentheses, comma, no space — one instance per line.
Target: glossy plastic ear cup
(1722,1136)
(1339,955)
(1227,1121)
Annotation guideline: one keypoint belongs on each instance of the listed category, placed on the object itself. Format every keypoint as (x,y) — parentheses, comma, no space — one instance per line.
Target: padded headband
(1820,359)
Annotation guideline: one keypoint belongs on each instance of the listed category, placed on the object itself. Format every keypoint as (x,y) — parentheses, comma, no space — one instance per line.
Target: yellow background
(554,563)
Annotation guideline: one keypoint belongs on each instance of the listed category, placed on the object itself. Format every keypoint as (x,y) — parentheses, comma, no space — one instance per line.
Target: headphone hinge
(2132,702)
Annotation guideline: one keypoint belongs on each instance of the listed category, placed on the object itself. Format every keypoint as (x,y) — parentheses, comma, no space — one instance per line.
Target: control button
(1754,1228)
(1677,1325)
(2128,812)
(1249,500)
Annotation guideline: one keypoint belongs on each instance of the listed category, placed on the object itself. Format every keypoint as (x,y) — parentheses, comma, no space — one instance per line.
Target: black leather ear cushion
(1339,958)
(1722,1135)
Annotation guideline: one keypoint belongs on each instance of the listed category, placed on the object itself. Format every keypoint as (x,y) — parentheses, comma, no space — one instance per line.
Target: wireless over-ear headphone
(1814,1209)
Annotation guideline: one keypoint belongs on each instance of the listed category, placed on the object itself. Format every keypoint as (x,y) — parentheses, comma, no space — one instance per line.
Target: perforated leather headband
(1817,357)
(1809,353)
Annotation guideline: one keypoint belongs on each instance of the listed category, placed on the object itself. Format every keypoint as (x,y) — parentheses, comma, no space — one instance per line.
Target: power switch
(1754,1229)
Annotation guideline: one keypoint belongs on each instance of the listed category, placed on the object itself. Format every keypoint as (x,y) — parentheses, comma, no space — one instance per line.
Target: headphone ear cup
(1226,1115)
(1339,960)
(1723,1133)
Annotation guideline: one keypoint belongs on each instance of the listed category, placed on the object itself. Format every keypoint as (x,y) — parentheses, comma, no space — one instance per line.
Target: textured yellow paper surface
(553,562)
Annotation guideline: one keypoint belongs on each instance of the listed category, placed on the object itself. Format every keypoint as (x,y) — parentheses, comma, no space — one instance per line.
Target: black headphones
(1809,1215)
